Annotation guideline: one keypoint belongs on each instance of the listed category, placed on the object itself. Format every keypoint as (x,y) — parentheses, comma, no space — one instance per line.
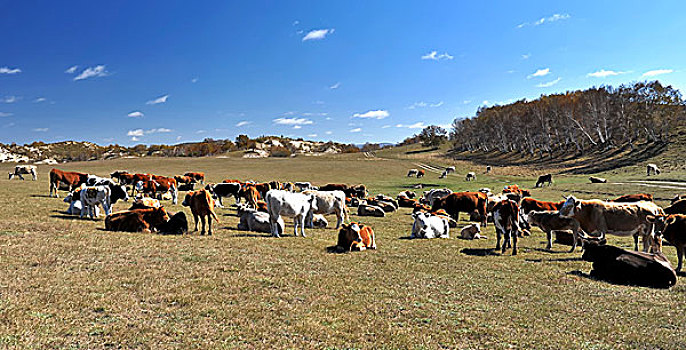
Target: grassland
(67,283)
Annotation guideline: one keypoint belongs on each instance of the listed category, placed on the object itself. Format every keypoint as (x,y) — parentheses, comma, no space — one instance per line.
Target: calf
(370,210)
(355,237)
(549,221)
(506,222)
(633,198)
(202,205)
(429,226)
(20,170)
(471,176)
(543,179)
(673,229)
(620,266)
(225,189)
(197,176)
(296,205)
(652,168)
(137,220)
(472,231)
(319,221)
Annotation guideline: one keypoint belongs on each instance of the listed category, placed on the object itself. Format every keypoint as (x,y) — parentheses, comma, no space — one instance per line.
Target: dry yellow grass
(66,283)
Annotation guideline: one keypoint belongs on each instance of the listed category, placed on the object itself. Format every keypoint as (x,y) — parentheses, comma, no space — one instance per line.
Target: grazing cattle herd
(513,211)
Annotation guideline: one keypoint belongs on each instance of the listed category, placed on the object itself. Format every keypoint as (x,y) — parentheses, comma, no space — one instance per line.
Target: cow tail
(214,215)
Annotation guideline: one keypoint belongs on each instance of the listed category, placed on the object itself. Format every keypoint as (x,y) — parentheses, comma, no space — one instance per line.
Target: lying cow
(328,202)
(196,176)
(355,237)
(408,194)
(405,202)
(21,170)
(303,186)
(145,203)
(252,220)
(597,180)
(629,198)
(549,221)
(387,207)
(137,220)
(202,205)
(543,179)
(472,231)
(177,225)
(370,210)
(429,226)
(673,229)
(652,168)
(295,205)
(621,219)
(616,265)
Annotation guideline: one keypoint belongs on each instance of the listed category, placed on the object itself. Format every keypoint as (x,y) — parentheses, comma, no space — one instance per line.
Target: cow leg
(506,241)
(21,176)
(636,241)
(302,225)
(680,256)
(209,225)
(514,243)
(195,218)
(219,199)
(339,218)
(309,220)
(497,242)
(202,218)
(575,238)
(549,235)
(33,175)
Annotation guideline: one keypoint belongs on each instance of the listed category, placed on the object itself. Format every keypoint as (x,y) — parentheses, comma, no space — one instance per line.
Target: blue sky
(176,71)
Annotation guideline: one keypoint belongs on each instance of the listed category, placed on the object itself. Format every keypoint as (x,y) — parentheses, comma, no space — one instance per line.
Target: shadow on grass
(554,260)
(65,216)
(250,235)
(40,196)
(334,249)
(479,251)
(415,186)
(422,150)
(543,250)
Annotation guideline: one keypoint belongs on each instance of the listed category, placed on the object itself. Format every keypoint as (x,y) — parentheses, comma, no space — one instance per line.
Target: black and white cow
(91,196)
(226,189)
(20,170)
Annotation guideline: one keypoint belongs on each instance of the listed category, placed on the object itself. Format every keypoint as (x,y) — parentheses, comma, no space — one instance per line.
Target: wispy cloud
(41,129)
(40,99)
(5,114)
(194,80)
(92,72)
(485,102)
(297,127)
(549,84)
(136,132)
(10,99)
(242,123)
(158,130)
(318,34)
(604,73)
(8,70)
(312,135)
(539,73)
(422,104)
(161,99)
(329,132)
(335,86)
(296,22)
(526,56)
(292,121)
(377,114)
(71,70)
(652,73)
(466,102)
(417,125)
(544,20)
(434,55)
(135,114)
(356,130)
(385,127)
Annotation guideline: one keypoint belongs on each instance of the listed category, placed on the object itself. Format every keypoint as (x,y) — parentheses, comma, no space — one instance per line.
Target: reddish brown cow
(634,198)
(69,178)
(673,229)
(529,204)
(465,202)
(420,173)
(334,187)
(678,207)
(137,220)
(197,176)
(250,194)
(202,205)
(160,185)
(183,179)
(229,181)
(405,202)
(506,221)
(262,206)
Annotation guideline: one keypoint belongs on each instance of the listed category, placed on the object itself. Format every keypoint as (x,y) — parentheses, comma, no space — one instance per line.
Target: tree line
(599,118)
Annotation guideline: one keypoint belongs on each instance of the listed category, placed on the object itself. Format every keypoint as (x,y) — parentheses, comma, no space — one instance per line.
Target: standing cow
(328,202)
(652,168)
(202,206)
(506,221)
(465,202)
(284,203)
(20,170)
(543,179)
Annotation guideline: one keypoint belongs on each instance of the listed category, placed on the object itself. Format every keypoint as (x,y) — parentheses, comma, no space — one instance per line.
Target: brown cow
(405,202)
(506,222)
(69,178)
(673,229)
(549,221)
(183,179)
(160,185)
(228,181)
(197,176)
(629,198)
(465,202)
(137,220)
(678,207)
(202,205)
(250,194)
(355,237)
(420,173)
(529,204)
(262,206)
(334,187)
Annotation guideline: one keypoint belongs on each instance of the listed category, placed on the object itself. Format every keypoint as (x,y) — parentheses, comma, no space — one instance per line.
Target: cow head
(570,206)
(160,217)
(187,200)
(118,192)
(348,235)
(660,224)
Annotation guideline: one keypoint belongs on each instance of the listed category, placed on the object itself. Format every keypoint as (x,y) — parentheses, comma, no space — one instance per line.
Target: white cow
(328,202)
(303,186)
(296,205)
(412,172)
(471,176)
(20,170)
(429,226)
(450,169)
(74,200)
(257,221)
(431,195)
(92,196)
(652,168)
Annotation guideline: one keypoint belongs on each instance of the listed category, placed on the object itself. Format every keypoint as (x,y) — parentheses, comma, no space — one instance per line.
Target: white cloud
(526,56)
(134,138)
(178,138)
(91,72)
(652,73)
(385,127)
(5,114)
(356,130)
(377,114)
(71,70)
(161,99)
(318,34)
(10,99)
(137,132)
(543,20)
(604,73)
(200,131)
(417,125)
(135,114)
(328,132)
(312,135)
(485,102)
(310,114)
(549,84)
(539,73)
(158,130)
(466,102)
(318,102)
(40,99)
(292,121)
(335,86)
(433,55)
(41,129)
(195,80)
(422,104)
(297,127)
(8,70)
(9,125)
(242,123)
(328,118)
